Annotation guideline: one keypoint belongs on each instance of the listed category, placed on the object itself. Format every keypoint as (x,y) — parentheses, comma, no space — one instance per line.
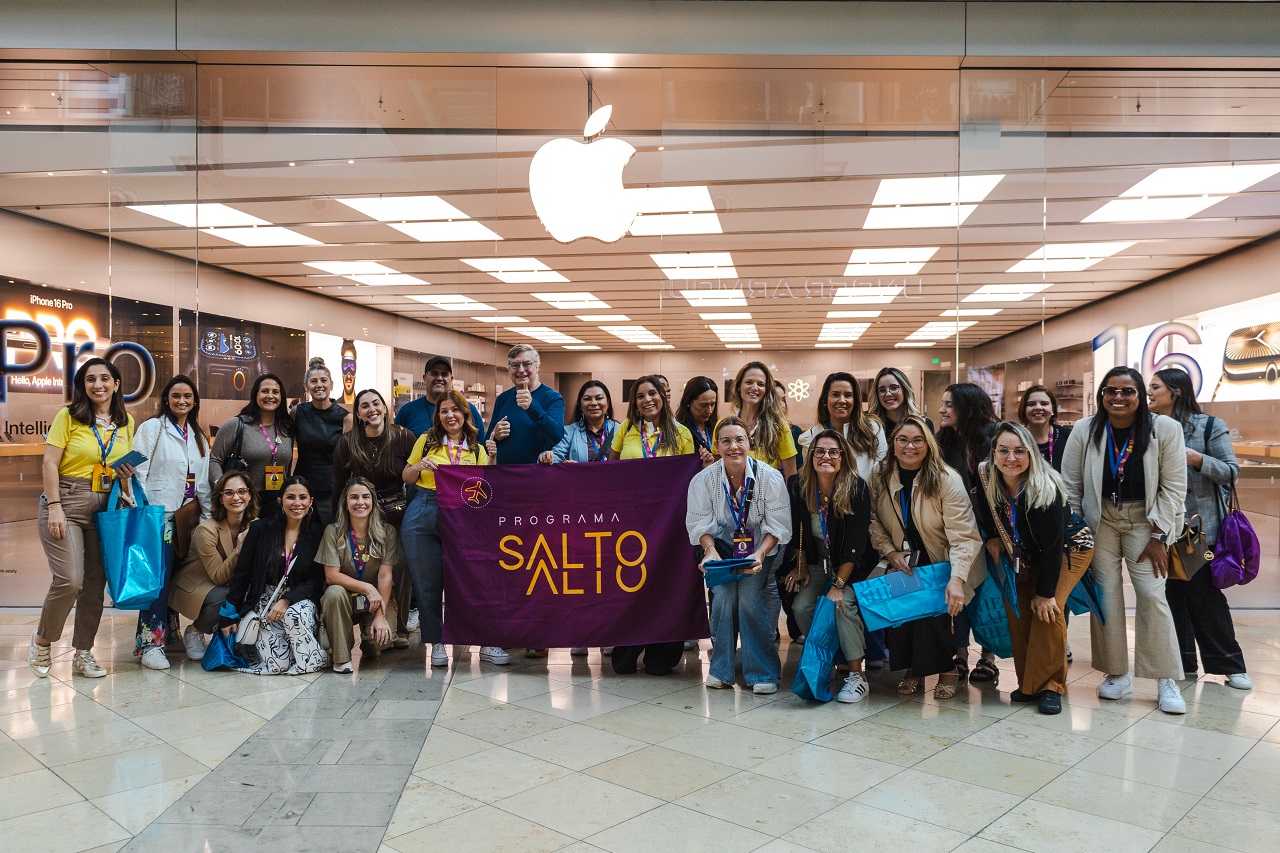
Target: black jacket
(1042,532)
(261,562)
(850,534)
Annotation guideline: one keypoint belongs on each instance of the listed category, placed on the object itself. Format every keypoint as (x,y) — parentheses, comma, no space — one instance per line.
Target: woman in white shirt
(840,409)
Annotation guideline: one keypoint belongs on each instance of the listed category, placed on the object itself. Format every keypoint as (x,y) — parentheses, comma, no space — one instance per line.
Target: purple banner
(549,556)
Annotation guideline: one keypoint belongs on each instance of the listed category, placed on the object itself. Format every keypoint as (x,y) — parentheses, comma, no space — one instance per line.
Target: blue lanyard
(355,555)
(738,511)
(105,448)
(822,517)
(1117,458)
(703,433)
(904,501)
(182,432)
(644,441)
(594,447)
(1013,516)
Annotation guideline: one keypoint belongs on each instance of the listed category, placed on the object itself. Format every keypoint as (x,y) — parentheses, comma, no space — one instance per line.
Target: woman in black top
(318,426)
(698,405)
(279,545)
(1024,503)
(1038,412)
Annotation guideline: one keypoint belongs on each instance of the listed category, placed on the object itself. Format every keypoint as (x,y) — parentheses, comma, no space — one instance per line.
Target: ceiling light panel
(350,267)
(516,270)
(832,332)
(1006,292)
(715,298)
(877,295)
(667,224)
(581,347)
(1152,209)
(685,266)
(415,208)
(970,312)
(464,231)
(870,262)
(727,315)
(210,215)
(1068,257)
(965,189)
(500,319)
(852,315)
(906,344)
(542,333)
(270,235)
(633,334)
(604,318)
(830,345)
(736,332)
(572,301)
(394,279)
(656,346)
(921,216)
(1201,180)
(938,330)
(452,302)
(671,199)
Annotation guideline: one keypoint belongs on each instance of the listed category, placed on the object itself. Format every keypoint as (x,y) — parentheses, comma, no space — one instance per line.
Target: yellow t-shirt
(787,447)
(626,440)
(80,450)
(440,455)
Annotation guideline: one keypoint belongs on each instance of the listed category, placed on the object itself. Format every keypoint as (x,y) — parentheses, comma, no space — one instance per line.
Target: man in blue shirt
(528,418)
(417,415)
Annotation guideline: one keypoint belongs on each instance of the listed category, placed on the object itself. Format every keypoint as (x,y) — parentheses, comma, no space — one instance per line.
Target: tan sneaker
(38,657)
(85,664)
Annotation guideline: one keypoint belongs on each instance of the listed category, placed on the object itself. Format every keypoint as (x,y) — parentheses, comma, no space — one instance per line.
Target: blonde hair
(771,424)
(379,531)
(874,406)
(437,434)
(848,483)
(931,474)
(1043,485)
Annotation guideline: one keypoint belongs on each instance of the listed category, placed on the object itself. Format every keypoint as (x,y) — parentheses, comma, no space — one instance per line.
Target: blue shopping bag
(1087,597)
(821,644)
(725,571)
(1006,580)
(132,544)
(219,653)
(988,619)
(897,598)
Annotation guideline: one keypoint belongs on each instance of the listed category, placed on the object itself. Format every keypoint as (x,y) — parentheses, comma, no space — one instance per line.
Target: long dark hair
(81,407)
(975,414)
(862,437)
(277,519)
(193,419)
(219,512)
(693,389)
(369,455)
(670,438)
(251,414)
(1141,421)
(608,400)
(1184,395)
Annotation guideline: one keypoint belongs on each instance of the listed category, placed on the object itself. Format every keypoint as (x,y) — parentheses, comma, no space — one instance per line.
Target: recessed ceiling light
(1152,209)
(743,346)
(459,231)
(875,295)
(542,333)
(265,236)
(715,298)
(829,345)
(604,318)
(633,334)
(209,215)
(685,266)
(905,344)
(413,208)
(508,319)
(842,331)
(656,346)
(516,270)
(727,315)
(907,261)
(395,279)
(1068,257)
(452,302)
(572,301)
(964,189)
(937,330)
(1201,180)
(350,267)
(1006,292)
(735,332)
(853,315)
(666,224)
(923,216)
(970,312)
(582,347)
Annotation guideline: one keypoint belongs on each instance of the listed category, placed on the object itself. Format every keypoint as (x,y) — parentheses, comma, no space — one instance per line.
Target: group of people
(322,519)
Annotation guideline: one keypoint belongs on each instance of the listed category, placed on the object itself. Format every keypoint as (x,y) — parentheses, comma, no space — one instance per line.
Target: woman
(358,542)
(281,545)
(85,440)
(840,409)
(894,400)
(1038,412)
(375,448)
(968,422)
(757,407)
(921,515)
(176,472)
(452,440)
(204,579)
(1201,614)
(649,431)
(262,437)
(1126,473)
(1025,504)
(830,517)
(697,412)
(590,435)
(738,507)
(320,424)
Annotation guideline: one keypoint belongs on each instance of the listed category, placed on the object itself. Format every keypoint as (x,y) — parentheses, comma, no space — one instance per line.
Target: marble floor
(561,754)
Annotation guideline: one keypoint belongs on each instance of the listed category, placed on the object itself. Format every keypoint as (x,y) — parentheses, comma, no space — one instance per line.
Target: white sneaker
(764,688)
(38,657)
(154,658)
(343,667)
(439,656)
(715,683)
(855,689)
(495,655)
(414,621)
(1115,687)
(1171,701)
(193,641)
(85,664)
(1240,681)
(578,652)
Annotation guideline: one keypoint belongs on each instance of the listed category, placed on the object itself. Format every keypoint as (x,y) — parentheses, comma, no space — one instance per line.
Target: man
(528,418)
(417,415)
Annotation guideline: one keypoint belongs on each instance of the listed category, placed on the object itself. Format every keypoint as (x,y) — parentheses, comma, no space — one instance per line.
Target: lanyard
(275,446)
(597,442)
(105,447)
(182,431)
(1117,458)
(738,509)
(454,450)
(703,432)
(822,517)
(904,501)
(357,553)
(644,440)
(1049,458)
(1011,512)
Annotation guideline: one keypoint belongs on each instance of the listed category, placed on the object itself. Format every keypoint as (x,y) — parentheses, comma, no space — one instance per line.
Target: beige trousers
(75,561)
(1119,539)
(335,612)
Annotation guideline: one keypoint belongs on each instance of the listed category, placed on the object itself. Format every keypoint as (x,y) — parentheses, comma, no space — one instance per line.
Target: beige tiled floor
(561,754)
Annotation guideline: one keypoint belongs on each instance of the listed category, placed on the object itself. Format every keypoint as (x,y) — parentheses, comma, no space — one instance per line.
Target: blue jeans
(420,538)
(741,609)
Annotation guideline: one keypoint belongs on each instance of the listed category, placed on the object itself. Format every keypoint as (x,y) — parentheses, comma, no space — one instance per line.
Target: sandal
(984,671)
(908,686)
(944,689)
(962,669)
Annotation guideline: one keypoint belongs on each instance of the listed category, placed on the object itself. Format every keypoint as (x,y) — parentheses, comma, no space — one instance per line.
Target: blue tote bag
(813,676)
(897,598)
(988,619)
(132,543)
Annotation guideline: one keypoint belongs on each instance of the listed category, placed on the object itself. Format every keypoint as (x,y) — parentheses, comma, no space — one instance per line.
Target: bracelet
(838,584)
(53,503)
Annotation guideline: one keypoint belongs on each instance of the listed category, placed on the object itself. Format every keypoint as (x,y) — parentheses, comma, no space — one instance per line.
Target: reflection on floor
(560,754)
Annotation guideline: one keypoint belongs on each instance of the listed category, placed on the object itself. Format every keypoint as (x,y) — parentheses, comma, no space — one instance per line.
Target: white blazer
(1164,467)
(164,474)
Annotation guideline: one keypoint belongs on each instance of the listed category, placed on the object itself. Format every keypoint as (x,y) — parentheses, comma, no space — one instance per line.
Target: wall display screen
(228,354)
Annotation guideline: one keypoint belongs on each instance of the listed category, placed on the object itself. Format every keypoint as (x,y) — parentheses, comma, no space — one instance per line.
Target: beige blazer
(210,562)
(947,525)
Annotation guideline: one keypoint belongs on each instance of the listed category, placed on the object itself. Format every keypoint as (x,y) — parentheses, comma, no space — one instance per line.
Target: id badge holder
(826,566)
(274,477)
(1017,559)
(101,480)
(744,540)
(359,603)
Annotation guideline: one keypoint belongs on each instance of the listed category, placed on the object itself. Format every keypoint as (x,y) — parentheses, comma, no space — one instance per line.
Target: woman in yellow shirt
(650,430)
(758,408)
(85,440)
(452,440)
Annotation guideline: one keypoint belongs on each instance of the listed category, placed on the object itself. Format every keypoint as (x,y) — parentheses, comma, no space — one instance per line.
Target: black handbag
(235,460)
(394,502)
(1190,552)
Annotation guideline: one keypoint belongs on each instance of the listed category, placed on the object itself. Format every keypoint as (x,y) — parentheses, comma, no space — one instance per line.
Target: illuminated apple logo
(577,187)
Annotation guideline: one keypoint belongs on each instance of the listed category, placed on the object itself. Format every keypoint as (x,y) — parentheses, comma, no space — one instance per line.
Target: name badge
(100,482)
(359,603)
(1017,559)
(744,542)
(274,477)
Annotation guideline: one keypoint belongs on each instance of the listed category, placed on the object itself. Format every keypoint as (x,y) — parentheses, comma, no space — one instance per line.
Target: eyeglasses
(1019,452)
(826,452)
(733,442)
(1127,393)
(886,390)
(235,493)
(517,366)
(903,441)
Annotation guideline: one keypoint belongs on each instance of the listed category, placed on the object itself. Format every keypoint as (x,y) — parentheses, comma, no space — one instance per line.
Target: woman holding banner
(738,508)
(649,431)
(921,515)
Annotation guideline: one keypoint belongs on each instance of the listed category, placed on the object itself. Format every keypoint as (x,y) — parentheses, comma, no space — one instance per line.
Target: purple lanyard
(355,555)
(644,441)
(275,447)
(822,517)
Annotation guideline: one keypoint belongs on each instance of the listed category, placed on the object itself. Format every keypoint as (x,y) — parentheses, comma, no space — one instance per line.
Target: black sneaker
(1019,696)
(1050,702)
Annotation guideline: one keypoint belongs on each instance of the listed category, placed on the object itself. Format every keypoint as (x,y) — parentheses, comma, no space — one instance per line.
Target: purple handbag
(1237,553)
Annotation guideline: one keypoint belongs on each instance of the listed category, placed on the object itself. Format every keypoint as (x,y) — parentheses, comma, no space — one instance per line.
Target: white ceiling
(793,159)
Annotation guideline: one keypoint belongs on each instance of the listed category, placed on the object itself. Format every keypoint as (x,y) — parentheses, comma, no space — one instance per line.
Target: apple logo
(577,187)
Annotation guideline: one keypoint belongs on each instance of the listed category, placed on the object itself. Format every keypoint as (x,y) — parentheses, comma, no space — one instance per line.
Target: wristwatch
(1159,537)
(837,583)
